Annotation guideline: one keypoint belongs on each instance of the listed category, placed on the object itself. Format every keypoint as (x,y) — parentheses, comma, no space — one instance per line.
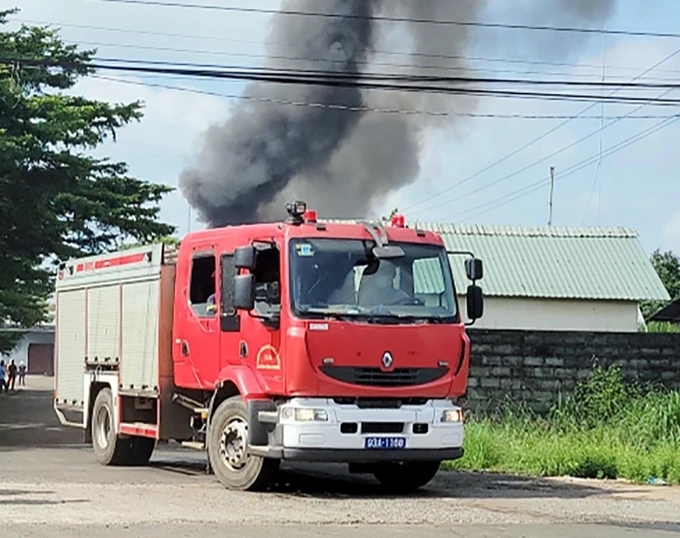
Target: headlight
(304,414)
(452,415)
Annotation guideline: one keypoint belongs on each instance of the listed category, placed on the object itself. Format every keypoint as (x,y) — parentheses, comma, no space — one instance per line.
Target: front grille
(382,427)
(375,377)
(380,403)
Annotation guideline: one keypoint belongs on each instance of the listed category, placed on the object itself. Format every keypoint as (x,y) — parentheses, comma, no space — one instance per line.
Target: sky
(461,179)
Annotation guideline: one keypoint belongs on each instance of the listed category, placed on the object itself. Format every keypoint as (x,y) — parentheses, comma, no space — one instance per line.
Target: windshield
(342,278)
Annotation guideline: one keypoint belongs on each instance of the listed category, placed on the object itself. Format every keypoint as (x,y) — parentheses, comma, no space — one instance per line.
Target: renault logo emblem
(387,360)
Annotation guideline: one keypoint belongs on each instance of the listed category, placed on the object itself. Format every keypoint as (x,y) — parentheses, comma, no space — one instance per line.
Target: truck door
(233,349)
(197,356)
(261,329)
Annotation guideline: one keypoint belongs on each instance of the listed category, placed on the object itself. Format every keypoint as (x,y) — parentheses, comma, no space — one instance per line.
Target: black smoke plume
(343,163)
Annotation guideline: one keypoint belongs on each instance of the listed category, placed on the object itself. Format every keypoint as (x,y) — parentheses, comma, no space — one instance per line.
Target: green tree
(56,199)
(667,266)
(170,241)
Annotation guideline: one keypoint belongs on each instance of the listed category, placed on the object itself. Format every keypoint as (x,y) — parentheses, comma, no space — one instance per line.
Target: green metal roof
(552,262)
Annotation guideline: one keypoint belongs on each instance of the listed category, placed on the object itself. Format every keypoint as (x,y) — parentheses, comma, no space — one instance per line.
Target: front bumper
(342,435)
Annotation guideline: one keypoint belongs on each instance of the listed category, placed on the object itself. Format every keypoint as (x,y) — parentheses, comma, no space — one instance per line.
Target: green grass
(605,429)
(662,327)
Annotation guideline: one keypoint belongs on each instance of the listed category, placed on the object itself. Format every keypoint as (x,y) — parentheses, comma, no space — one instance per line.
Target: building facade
(35,350)
(555,278)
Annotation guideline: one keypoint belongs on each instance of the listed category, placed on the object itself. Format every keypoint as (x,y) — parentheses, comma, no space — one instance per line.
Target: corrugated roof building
(554,278)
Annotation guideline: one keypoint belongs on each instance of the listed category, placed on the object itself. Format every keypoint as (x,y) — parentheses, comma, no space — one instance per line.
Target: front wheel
(406,477)
(234,467)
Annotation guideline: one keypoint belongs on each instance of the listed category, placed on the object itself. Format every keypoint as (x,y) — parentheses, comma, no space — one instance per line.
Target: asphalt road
(51,486)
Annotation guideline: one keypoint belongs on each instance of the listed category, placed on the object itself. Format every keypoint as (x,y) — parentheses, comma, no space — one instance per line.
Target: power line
(299,79)
(542,160)
(381,18)
(373,50)
(368,82)
(404,112)
(511,197)
(329,61)
(535,140)
(352,77)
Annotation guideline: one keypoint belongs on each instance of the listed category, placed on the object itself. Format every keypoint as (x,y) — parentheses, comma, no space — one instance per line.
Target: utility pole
(552,193)
(189,220)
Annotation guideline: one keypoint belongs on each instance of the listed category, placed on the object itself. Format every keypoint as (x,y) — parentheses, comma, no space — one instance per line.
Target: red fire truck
(302,340)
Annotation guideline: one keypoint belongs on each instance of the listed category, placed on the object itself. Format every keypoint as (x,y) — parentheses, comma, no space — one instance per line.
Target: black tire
(230,461)
(139,451)
(406,477)
(110,449)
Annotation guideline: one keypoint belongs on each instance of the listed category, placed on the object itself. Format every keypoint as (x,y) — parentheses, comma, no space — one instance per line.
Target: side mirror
(474,269)
(244,292)
(245,257)
(475,302)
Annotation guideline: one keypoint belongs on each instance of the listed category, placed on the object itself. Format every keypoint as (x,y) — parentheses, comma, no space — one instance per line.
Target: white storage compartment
(108,317)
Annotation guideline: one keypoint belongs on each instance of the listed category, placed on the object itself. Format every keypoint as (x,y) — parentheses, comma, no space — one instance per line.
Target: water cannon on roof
(296,212)
(299,214)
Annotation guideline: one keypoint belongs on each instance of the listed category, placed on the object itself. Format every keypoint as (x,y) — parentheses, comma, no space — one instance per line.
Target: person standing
(22,374)
(3,376)
(12,371)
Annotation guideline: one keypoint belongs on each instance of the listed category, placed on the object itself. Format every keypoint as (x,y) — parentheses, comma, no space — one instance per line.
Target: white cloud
(173,120)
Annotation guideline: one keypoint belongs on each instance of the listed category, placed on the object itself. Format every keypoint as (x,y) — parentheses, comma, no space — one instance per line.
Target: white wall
(20,351)
(557,315)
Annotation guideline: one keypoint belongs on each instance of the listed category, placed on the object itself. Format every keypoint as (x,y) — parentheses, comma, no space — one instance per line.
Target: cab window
(202,286)
(268,281)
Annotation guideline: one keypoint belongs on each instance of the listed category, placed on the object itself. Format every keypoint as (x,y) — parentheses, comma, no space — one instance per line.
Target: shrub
(606,428)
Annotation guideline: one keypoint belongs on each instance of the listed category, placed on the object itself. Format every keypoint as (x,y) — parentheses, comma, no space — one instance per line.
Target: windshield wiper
(330,314)
(394,319)
(378,319)
(363,315)
(426,319)
(438,320)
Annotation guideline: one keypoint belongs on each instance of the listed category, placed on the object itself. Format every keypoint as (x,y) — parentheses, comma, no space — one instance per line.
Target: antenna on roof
(552,192)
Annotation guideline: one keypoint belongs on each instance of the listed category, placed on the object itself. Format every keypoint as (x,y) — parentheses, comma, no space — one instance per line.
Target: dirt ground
(51,486)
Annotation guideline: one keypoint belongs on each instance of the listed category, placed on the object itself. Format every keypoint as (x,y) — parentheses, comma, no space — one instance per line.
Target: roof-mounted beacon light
(296,211)
(399,221)
(310,216)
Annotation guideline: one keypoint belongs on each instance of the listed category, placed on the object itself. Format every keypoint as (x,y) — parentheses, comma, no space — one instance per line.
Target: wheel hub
(234,443)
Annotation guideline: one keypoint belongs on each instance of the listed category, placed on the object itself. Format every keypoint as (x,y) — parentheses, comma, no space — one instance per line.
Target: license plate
(385,443)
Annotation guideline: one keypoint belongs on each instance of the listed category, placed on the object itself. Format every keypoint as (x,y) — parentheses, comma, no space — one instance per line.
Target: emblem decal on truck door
(387,360)
(268,359)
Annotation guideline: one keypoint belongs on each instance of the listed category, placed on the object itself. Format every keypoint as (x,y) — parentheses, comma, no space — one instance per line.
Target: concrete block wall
(534,367)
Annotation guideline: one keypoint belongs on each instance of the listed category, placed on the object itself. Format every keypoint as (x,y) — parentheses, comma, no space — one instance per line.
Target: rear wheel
(110,449)
(228,450)
(139,450)
(406,477)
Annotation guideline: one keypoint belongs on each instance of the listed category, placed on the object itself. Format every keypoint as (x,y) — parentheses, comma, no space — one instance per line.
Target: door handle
(184,346)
